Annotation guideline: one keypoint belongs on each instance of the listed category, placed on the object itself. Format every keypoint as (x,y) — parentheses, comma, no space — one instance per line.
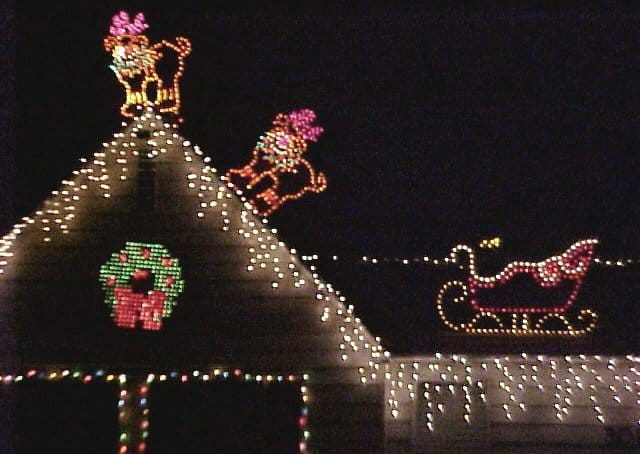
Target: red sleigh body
(552,284)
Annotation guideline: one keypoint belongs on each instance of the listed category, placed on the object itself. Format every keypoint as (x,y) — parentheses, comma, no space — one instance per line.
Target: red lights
(571,265)
(142,283)
(533,318)
(278,157)
(131,307)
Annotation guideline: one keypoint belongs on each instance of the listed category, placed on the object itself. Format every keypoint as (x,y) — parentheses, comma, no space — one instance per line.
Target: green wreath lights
(142,283)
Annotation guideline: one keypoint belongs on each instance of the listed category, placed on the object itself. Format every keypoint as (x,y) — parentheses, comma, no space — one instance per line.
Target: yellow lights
(491,243)
(277,158)
(135,63)
(538,318)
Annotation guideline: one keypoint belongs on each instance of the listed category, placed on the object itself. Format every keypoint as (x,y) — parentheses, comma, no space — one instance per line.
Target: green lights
(141,283)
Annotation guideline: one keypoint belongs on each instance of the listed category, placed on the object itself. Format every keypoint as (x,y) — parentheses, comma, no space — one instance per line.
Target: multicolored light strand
(86,378)
(133,403)
(142,283)
(134,63)
(278,155)
(218,374)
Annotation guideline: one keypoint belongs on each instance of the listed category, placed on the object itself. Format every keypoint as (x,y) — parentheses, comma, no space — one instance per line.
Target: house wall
(344,414)
(248,302)
(456,403)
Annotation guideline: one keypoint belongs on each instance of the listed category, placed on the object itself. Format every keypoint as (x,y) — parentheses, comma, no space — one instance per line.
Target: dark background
(63,416)
(441,126)
(247,417)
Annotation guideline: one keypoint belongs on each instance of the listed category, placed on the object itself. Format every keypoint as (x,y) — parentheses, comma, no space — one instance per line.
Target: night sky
(440,127)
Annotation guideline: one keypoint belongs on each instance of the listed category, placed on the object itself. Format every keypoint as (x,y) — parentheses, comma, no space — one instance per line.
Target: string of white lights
(585,389)
(442,261)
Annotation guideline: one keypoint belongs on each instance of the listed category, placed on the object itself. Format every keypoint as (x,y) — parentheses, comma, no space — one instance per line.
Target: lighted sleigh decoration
(277,171)
(485,304)
(135,63)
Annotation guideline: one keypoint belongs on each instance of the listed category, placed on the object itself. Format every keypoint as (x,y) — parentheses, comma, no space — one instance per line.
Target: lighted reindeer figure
(277,171)
(135,64)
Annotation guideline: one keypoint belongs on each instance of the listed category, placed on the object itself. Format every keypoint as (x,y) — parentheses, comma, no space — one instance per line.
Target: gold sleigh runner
(482,304)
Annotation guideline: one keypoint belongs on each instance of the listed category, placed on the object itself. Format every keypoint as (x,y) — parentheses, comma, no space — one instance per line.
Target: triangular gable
(247,299)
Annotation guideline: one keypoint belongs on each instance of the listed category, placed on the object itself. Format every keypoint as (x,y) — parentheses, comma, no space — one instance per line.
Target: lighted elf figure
(134,63)
(277,171)
(141,283)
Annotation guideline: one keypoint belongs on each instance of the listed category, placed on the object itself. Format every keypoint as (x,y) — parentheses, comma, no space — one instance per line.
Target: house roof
(247,300)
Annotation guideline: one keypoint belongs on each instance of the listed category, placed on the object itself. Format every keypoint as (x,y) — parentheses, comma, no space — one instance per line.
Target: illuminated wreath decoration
(142,283)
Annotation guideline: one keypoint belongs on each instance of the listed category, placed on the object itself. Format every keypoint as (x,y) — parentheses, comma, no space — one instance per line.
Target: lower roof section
(399,302)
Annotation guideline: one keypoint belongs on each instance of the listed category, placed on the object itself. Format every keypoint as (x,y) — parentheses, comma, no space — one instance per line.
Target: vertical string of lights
(127,415)
(95,178)
(635,381)
(79,376)
(570,386)
(509,398)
